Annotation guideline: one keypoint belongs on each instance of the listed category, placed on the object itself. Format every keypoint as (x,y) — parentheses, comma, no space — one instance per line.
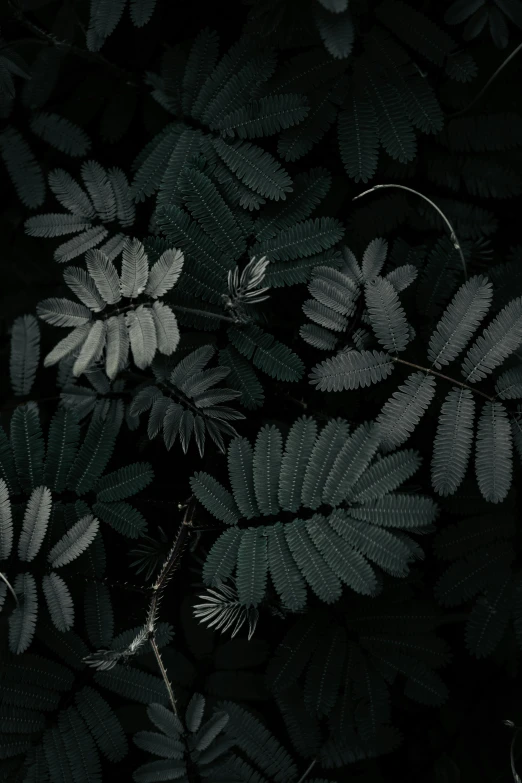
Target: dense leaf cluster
(261,391)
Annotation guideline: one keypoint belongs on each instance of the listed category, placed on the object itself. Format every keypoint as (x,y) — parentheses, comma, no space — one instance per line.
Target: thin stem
(516,776)
(2,576)
(453,235)
(429,371)
(204,313)
(489,81)
(170,691)
(158,587)
(307,771)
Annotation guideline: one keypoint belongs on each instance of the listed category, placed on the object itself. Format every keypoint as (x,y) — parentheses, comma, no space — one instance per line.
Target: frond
(215,498)
(206,205)
(200,65)
(309,189)
(472,574)
(74,542)
(68,345)
(222,557)
(22,620)
(184,152)
(266,469)
(351,370)
(386,314)
(460,321)
(92,348)
(208,277)
(453,441)
(23,169)
(336,31)
(222,611)
(99,618)
(298,449)
(384,476)
(93,455)
(141,11)
(82,284)
(28,445)
(125,210)
(252,567)
(6,522)
(103,724)
(70,194)
(240,470)
(405,408)
(265,116)
(350,462)
(117,345)
(63,312)
(285,575)
(404,511)
(358,139)
(134,269)
(100,190)
(494,460)
(343,559)
(124,482)
(509,384)
(104,274)
(142,336)
(384,548)
(59,601)
(24,355)
(258,744)
(256,168)
(80,244)
(489,618)
(122,517)
(61,133)
(394,128)
(242,377)
(322,681)
(318,337)
(497,342)
(313,567)
(321,461)
(266,353)
(373,259)
(34,527)
(301,240)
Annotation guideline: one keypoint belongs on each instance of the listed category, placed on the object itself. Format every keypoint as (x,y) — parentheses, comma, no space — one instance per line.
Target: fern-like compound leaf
(117,345)
(351,370)
(497,342)
(142,335)
(387,317)
(22,620)
(252,567)
(25,354)
(74,542)
(215,498)
(91,349)
(403,411)
(286,576)
(460,321)
(298,449)
(240,470)
(323,581)
(494,459)
(105,276)
(63,312)
(322,457)
(6,522)
(256,168)
(34,527)
(59,601)
(165,273)
(134,269)
(453,441)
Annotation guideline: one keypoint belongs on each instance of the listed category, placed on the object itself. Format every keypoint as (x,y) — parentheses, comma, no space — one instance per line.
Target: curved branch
(453,235)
